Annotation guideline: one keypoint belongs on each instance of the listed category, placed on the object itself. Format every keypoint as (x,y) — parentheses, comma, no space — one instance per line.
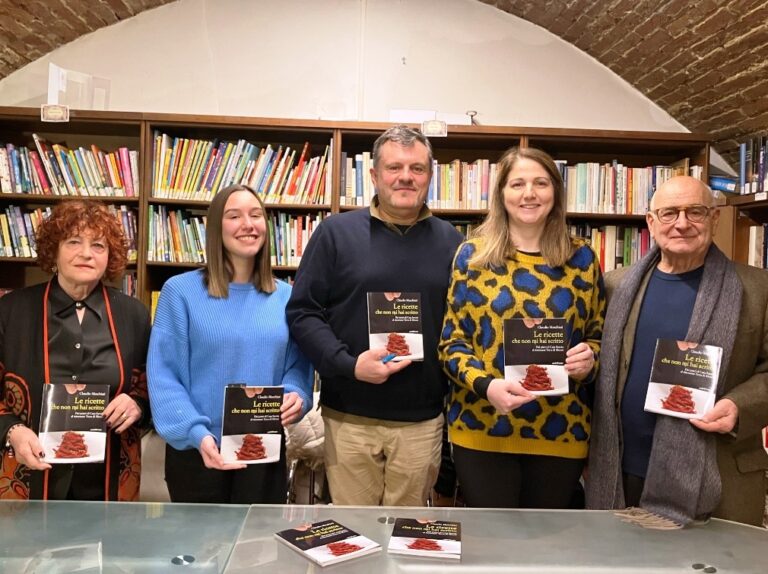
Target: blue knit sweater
(200,344)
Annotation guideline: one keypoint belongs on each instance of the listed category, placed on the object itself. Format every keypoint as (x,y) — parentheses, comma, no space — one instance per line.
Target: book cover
(394,322)
(534,354)
(251,431)
(427,538)
(72,429)
(327,542)
(683,379)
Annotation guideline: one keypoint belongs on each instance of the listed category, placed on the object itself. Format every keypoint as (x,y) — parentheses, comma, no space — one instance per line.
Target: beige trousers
(371,462)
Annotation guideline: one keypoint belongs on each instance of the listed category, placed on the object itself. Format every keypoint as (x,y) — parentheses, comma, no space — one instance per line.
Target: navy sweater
(349,255)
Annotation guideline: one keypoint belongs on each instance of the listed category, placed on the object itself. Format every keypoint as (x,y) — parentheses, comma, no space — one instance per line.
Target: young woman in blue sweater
(221,325)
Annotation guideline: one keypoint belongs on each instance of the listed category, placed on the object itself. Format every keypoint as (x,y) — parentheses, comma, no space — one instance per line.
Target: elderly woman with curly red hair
(73,329)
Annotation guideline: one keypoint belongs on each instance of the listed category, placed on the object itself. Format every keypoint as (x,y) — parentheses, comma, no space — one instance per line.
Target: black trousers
(633,489)
(501,480)
(190,481)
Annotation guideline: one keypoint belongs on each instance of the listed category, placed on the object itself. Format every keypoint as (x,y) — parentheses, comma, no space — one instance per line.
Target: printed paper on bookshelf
(394,323)
(251,430)
(683,379)
(534,355)
(327,542)
(72,428)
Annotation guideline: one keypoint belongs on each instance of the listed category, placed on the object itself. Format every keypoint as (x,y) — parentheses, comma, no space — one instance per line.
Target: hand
(370,369)
(121,413)
(212,457)
(721,418)
(579,361)
(291,408)
(506,396)
(27,448)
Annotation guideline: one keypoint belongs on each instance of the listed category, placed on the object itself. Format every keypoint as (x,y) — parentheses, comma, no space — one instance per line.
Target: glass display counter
(58,537)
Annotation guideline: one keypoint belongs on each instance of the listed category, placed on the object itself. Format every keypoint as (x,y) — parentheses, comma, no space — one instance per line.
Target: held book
(72,428)
(534,355)
(327,542)
(683,379)
(426,538)
(394,322)
(251,431)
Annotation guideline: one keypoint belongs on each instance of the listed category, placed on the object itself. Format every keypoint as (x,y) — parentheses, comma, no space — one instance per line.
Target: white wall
(346,59)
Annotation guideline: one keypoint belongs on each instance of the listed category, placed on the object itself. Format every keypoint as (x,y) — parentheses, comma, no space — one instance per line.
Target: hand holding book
(212,457)
(721,418)
(579,361)
(121,413)
(27,448)
(291,408)
(507,395)
(371,369)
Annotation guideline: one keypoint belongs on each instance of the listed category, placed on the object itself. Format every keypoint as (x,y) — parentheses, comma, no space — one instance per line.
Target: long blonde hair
(497,244)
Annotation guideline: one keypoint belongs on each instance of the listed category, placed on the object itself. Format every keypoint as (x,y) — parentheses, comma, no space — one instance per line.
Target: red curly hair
(73,217)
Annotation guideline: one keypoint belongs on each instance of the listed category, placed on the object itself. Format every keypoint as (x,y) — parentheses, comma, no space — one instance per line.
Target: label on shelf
(54,113)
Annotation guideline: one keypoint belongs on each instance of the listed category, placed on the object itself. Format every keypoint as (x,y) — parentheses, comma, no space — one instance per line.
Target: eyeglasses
(693,213)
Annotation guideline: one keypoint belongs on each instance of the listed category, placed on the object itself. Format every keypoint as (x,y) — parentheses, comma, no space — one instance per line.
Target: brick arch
(704,62)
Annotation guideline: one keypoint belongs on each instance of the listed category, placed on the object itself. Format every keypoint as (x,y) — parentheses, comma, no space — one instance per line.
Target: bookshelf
(746,211)
(183,186)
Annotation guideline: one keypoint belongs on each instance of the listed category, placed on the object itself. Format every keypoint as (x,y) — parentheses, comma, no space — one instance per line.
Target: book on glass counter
(683,379)
(394,322)
(72,426)
(426,538)
(251,431)
(327,542)
(534,355)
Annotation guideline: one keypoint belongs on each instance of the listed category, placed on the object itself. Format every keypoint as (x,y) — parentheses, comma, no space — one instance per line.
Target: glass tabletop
(94,537)
(494,541)
(111,537)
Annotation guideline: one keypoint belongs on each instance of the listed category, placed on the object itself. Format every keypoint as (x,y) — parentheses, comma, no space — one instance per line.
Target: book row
(613,188)
(610,188)
(18,229)
(178,236)
(197,169)
(757,255)
(54,169)
(615,245)
(753,172)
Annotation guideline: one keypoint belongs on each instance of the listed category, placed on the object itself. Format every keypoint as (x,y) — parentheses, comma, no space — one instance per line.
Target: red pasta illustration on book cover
(253,448)
(397,344)
(679,400)
(537,379)
(72,446)
(534,354)
(425,544)
(341,548)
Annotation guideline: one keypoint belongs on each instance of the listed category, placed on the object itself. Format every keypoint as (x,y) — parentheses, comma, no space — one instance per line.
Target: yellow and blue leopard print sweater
(472,349)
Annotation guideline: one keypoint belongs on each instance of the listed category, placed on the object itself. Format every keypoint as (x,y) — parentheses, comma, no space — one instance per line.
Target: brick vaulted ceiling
(704,61)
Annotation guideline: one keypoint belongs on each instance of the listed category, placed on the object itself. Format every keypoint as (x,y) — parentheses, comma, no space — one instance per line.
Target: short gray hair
(404,136)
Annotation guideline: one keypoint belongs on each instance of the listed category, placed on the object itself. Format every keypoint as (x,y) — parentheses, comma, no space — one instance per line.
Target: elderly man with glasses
(676,470)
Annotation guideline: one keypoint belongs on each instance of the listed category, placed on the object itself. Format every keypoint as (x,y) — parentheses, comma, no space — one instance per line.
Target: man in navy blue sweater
(383,420)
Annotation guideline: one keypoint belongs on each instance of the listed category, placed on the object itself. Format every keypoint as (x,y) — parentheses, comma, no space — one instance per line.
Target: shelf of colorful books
(615,245)
(94,154)
(196,156)
(614,172)
(18,227)
(463,171)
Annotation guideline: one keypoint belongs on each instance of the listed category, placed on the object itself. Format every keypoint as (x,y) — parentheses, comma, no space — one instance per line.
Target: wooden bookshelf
(745,211)
(138,131)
